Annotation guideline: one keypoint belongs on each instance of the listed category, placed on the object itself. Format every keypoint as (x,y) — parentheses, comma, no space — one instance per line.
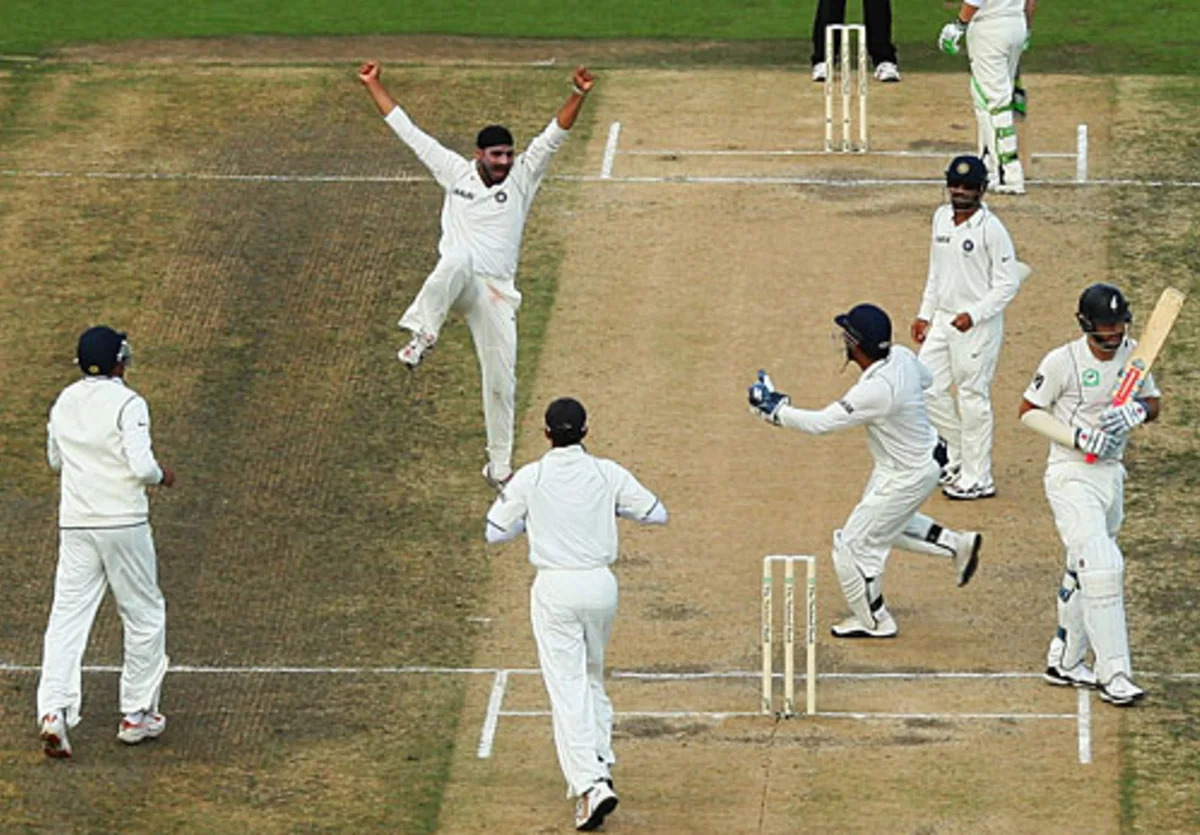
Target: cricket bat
(1162,318)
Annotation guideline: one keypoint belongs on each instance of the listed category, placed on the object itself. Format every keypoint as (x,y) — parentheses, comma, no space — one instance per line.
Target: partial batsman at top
(483,220)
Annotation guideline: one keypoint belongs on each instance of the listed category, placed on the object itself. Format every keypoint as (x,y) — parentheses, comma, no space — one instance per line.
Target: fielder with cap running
(568,502)
(973,275)
(483,219)
(888,401)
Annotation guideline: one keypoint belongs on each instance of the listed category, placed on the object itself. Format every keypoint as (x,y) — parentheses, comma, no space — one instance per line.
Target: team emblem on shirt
(501,196)
(968,245)
(1038,379)
(1091,378)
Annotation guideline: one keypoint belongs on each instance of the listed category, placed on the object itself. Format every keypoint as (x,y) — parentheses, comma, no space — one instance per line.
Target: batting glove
(950,36)
(1119,420)
(765,402)
(1096,442)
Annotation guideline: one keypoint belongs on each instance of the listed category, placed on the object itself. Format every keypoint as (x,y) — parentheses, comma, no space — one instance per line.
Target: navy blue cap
(967,170)
(869,328)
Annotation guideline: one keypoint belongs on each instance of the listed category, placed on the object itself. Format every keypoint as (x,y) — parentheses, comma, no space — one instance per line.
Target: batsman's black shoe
(966,556)
(594,805)
(959,493)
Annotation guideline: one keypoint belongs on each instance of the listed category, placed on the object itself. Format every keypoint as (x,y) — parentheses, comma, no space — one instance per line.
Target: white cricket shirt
(1076,387)
(486,222)
(570,501)
(889,401)
(98,438)
(990,9)
(973,266)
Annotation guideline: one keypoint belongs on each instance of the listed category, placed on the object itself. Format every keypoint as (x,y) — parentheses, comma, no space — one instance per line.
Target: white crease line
(614,674)
(488,733)
(737,152)
(610,150)
(825,714)
(1084,722)
(823,182)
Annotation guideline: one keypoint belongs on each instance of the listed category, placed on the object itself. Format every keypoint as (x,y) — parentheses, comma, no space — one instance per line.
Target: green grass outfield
(1130,36)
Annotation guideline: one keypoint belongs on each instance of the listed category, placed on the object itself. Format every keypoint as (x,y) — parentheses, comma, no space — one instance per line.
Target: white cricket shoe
(966,555)
(820,71)
(1121,691)
(412,353)
(54,736)
(1012,179)
(594,805)
(960,493)
(494,482)
(887,72)
(852,627)
(1081,675)
(139,726)
(949,474)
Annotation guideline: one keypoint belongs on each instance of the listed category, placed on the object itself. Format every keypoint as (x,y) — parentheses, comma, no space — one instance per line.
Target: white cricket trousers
(572,613)
(994,47)
(489,306)
(885,517)
(1088,505)
(966,361)
(90,561)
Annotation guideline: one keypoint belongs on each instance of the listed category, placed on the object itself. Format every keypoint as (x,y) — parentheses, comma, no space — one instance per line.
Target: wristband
(579,91)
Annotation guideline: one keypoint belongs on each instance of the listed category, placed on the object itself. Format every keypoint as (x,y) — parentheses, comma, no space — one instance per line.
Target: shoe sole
(972,563)
(138,737)
(976,497)
(1050,678)
(606,807)
(860,633)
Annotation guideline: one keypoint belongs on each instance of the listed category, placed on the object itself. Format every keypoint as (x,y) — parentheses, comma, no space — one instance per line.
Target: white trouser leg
(861,547)
(130,564)
(572,614)
(79,587)
(923,535)
(492,318)
(428,311)
(995,51)
(939,403)
(1085,500)
(973,357)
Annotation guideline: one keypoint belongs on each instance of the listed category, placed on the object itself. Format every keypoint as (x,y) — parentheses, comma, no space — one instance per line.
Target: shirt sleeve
(445,165)
(1006,273)
(1046,386)
(929,296)
(536,158)
(134,422)
(864,402)
(53,453)
(506,516)
(635,502)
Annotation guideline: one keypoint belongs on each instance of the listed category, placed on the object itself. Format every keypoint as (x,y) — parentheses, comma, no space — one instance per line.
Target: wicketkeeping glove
(765,402)
(1096,442)
(1119,420)
(950,35)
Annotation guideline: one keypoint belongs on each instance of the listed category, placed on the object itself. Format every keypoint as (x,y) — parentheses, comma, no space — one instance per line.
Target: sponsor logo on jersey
(1091,378)
(942,239)
(968,245)
(501,197)
(466,195)
(1038,380)
(846,405)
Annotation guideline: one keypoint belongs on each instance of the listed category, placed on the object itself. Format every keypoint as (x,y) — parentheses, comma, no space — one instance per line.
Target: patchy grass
(1156,242)
(329,508)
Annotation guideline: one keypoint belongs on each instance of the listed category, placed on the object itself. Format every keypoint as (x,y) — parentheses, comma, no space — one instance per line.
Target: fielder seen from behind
(98,438)
(483,220)
(997,33)
(1069,401)
(973,275)
(888,401)
(568,502)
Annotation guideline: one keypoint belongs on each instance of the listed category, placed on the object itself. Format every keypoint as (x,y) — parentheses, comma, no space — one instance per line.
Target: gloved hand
(950,35)
(1020,98)
(1096,442)
(765,402)
(1119,420)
